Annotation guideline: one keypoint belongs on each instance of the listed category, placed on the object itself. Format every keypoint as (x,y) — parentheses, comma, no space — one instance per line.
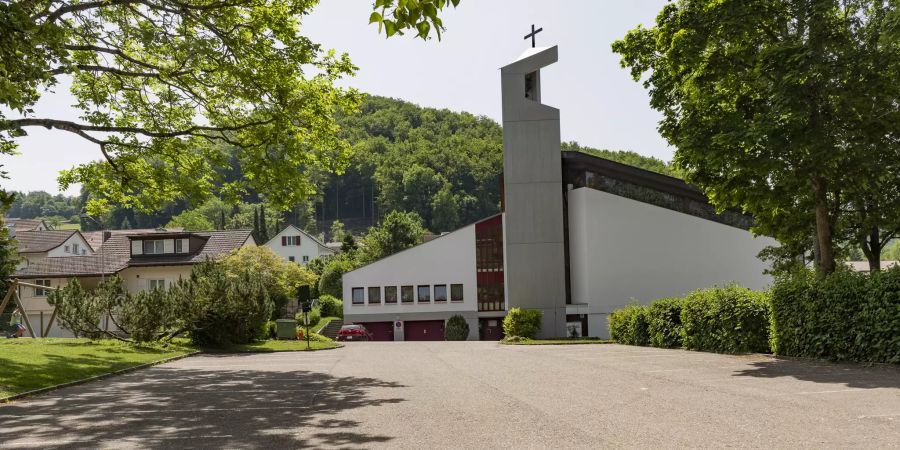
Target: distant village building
(296,245)
(144,260)
(577,237)
(18,225)
(35,246)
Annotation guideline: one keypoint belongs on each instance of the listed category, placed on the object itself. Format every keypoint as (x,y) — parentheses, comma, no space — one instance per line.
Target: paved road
(471,395)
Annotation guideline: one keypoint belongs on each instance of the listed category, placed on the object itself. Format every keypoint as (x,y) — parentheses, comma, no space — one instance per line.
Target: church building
(577,237)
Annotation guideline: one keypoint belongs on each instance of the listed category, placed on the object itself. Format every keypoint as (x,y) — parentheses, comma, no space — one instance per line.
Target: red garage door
(423,330)
(381,331)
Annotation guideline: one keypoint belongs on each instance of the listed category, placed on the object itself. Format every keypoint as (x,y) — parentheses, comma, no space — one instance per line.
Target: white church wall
(449,259)
(622,250)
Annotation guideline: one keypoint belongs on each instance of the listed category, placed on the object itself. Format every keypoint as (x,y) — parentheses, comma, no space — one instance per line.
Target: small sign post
(306,305)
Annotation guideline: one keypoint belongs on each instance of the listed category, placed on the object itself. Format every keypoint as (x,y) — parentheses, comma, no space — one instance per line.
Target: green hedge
(847,316)
(725,320)
(522,323)
(629,325)
(664,322)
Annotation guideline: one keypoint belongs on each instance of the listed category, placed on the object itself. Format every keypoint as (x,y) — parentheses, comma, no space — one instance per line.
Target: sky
(600,105)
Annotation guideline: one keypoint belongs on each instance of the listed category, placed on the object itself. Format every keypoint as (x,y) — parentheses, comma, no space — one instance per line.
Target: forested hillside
(443,165)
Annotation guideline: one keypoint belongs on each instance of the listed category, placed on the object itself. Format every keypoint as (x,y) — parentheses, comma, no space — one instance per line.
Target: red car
(354,332)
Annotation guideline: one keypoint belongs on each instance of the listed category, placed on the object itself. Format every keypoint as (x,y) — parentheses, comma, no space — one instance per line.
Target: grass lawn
(277,346)
(27,364)
(560,341)
(68,226)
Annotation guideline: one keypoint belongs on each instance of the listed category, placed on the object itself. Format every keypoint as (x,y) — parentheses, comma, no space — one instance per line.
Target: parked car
(354,332)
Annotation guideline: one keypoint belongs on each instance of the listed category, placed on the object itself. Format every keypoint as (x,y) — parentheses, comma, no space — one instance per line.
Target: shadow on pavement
(843,374)
(171,406)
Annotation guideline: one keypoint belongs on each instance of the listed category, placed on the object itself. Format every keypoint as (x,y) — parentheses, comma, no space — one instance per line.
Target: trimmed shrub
(314,318)
(845,317)
(313,337)
(457,329)
(629,325)
(664,322)
(726,320)
(331,306)
(522,323)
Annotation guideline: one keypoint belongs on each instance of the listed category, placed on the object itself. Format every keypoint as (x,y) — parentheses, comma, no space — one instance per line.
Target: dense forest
(443,165)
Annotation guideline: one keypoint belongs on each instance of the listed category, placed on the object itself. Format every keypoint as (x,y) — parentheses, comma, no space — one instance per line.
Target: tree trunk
(825,263)
(871,247)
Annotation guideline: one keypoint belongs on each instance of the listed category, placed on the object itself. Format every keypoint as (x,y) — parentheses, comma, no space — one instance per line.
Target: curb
(93,378)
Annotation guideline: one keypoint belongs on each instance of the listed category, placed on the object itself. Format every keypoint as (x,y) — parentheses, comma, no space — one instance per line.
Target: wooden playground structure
(13,294)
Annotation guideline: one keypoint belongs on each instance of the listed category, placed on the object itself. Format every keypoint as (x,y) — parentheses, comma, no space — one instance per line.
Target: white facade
(447,260)
(622,250)
(293,244)
(75,245)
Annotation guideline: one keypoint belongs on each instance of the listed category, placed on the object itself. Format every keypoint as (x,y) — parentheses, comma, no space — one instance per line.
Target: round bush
(457,329)
(664,322)
(331,306)
(522,323)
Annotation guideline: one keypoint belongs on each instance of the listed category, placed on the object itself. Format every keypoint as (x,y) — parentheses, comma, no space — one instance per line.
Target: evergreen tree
(256,234)
(9,260)
(263,229)
(221,220)
(348,244)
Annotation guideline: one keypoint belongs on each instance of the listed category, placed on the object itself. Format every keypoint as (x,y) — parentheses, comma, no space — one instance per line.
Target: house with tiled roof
(296,245)
(96,238)
(19,225)
(144,260)
(35,246)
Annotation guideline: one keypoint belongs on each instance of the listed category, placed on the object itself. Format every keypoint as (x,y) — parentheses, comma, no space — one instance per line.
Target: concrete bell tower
(534,242)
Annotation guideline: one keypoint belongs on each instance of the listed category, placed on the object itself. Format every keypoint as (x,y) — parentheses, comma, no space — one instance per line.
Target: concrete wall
(534,245)
(623,250)
(308,246)
(449,259)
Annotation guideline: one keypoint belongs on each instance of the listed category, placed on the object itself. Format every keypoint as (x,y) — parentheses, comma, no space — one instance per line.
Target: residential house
(143,260)
(35,246)
(18,225)
(296,245)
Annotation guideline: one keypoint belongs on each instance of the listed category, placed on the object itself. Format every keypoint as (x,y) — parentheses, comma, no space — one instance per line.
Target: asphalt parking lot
(470,395)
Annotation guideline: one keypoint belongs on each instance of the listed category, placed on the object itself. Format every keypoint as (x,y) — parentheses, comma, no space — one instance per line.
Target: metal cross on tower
(532,34)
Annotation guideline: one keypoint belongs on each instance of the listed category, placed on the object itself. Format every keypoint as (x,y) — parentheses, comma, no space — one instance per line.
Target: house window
(75,248)
(406,294)
(290,241)
(424,294)
(156,284)
(66,249)
(305,258)
(83,252)
(390,294)
(359,296)
(291,258)
(440,292)
(456,292)
(40,292)
(374,295)
(154,247)
(181,245)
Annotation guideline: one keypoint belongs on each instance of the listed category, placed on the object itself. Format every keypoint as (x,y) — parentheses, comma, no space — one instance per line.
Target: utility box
(286,328)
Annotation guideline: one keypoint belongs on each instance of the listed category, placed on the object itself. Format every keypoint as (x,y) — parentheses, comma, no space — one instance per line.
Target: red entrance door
(423,330)
(381,331)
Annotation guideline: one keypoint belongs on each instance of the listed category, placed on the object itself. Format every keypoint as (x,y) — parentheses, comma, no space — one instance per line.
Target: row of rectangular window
(422,294)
